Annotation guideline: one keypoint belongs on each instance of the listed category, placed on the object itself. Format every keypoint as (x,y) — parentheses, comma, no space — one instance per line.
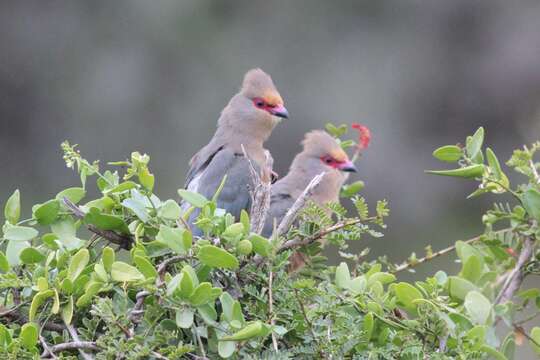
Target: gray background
(117,76)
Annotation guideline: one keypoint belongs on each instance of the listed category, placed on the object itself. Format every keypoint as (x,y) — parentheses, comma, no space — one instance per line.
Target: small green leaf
(107,257)
(138,209)
(201,295)
(468,172)
(478,307)
(368,324)
(105,221)
(458,288)
(74,194)
(12,210)
(37,301)
(146,179)
(124,272)
(497,173)
(474,144)
(227,303)
(260,245)
(352,189)
(216,257)
(170,210)
(472,269)
(208,313)
(343,276)
(67,311)
(99,269)
(78,263)
(179,240)
(47,213)
(535,335)
(56,303)
(407,294)
(193,198)
(531,202)
(125,186)
(492,352)
(233,232)
(244,220)
(31,255)
(249,331)
(226,349)
(29,335)
(145,267)
(13,251)
(4,263)
(448,153)
(20,233)
(184,318)
(383,277)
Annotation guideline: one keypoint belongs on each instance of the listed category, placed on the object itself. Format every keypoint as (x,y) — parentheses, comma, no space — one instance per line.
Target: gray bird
(321,153)
(248,121)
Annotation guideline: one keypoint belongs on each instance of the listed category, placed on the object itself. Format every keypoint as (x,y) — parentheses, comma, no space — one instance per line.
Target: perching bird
(248,121)
(321,153)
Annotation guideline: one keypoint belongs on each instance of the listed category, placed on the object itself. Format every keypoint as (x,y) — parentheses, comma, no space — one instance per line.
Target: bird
(321,154)
(242,128)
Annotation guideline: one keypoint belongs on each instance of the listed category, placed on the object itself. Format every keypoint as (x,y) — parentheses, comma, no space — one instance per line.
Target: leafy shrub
(120,276)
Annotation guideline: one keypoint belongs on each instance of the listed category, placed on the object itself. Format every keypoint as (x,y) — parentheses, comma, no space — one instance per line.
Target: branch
(271,309)
(516,276)
(74,345)
(135,315)
(410,265)
(73,332)
(261,192)
(16,316)
(46,349)
(289,218)
(124,241)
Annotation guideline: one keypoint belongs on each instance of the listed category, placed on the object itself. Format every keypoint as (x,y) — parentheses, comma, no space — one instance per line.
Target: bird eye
(327,160)
(259,103)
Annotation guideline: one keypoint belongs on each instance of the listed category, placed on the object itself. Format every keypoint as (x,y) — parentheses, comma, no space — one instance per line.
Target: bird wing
(280,203)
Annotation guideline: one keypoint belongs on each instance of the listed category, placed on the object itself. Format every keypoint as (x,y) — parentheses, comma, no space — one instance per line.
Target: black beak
(348,167)
(280,111)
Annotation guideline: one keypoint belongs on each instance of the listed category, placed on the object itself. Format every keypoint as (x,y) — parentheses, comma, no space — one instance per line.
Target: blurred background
(118,76)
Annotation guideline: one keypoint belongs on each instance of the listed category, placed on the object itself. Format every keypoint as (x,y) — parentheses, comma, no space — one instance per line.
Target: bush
(122,277)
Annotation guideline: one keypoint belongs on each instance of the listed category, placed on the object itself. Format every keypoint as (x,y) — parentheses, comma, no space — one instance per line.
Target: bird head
(320,145)
(262,94)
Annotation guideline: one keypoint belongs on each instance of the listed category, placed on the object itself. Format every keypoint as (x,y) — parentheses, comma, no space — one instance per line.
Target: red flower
(364,135)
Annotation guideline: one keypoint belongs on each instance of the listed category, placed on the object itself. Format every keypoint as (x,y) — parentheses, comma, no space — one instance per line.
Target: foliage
(121,275)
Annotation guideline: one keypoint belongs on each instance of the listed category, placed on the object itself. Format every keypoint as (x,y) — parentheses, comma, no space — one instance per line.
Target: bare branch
(46,348)
(271,309)
(74,345)
(261,192)
(14,315)
(516,276)
(298,205)
(135,315)
(73,332)
(124,241)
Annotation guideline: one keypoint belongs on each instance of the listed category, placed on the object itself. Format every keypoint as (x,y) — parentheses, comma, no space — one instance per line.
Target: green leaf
(125,186)
(99,269)
(249,331)
(105,221)
(4,263)
(13,251)
(208,313)
(216,257)
(12,210)
(56,303)
(31,255)
(474,144)
(67,311)
(497,173)
(138,209)
(407,294)
(260,245)
(350,190)
(458,288)
(29,335)
(66,230)
(47,213)
(201,295)
(124,272)
(226,348)
(343,276)
(535,335)
(42,284)
(145,267)
(448,153)
(74,194)
(146,179)
(468,172)
(472,269)
(233,232)
(195,199)
(368,324)
(531,202)
(170,210)
(37,301)
(227,303)
(20,233)
(184,318)
(244,220)
(107,257)
(5,337)
(492,352)
(179,240)
(478,307)
(78,263)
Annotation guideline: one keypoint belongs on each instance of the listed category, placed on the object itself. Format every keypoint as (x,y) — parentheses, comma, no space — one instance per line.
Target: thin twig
(46,348)
(73,345)
(308,322)
(124,241)
(298,205)
(516,276)
(199,341)
(18,317)
(73,332)
(522,331)
(271,309)
(406,266)
(135,315)
(261,192)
